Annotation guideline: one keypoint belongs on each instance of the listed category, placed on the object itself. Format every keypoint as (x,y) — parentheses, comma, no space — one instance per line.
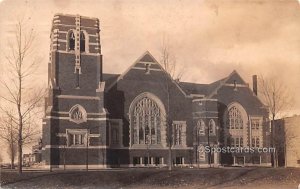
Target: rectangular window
(255,123)
(253,142)
(237,142)
(241,142)
(179,133)
(257,142)
(232,142)
(77,139)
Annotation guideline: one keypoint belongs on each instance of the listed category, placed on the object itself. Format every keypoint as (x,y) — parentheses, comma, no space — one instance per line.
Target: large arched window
(235,119)
(147,120)
(71,38)
(82,42)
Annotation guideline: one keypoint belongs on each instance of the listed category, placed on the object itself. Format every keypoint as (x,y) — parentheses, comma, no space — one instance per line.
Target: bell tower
(75,119)
(75,56)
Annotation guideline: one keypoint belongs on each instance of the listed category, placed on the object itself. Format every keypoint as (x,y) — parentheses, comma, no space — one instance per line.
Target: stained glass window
(146,122)
(235,120)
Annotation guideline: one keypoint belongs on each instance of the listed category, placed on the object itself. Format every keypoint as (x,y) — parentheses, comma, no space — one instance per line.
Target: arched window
(236,121)
(212,127)
(71,38)
(147,121)
(82,42)
(234,118)
(201,127)
(199,131)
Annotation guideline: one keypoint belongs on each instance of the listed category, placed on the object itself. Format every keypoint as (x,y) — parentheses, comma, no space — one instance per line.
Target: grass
(156,178)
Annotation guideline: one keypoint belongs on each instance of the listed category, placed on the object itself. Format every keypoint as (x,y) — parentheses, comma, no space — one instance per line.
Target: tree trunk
(12,159)
(20,138)
(20,156)
(12,148)
(274,142)
(169,124)
(170,158)
(170,145)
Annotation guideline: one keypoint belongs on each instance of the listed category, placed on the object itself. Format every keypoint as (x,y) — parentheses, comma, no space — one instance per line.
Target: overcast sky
(210,39)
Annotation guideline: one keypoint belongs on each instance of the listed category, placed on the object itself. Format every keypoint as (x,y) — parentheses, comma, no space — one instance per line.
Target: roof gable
(139,68)
(235,77)
(147,58)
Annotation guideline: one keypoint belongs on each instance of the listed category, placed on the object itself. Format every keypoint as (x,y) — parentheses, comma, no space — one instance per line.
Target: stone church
(142,117)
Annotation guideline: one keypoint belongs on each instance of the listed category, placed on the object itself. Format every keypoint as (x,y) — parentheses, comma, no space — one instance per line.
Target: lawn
(156,178)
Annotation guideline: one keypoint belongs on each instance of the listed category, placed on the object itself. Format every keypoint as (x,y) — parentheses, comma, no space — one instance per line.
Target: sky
(209,39)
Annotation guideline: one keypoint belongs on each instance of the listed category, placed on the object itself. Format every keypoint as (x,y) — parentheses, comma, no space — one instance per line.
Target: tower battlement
(66,27)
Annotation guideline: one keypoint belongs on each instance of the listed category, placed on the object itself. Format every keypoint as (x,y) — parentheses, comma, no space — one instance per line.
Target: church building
(142,117)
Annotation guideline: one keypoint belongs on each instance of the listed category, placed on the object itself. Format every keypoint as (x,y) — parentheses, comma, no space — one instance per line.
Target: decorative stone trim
(78,114)
(78,97)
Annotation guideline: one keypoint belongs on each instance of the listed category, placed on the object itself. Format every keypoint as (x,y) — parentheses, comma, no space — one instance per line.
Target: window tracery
(147,122)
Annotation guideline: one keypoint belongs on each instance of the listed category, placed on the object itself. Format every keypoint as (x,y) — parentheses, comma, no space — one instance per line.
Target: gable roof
(187,88)
(233,76)
(145,58)
(204,89)
(210,89)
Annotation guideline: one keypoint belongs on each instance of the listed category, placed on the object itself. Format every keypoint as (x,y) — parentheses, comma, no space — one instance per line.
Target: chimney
(254,79)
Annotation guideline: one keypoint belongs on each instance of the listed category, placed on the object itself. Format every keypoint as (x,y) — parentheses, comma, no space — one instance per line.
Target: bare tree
(21,94)
(168,62)
(278,99)
(8,134)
